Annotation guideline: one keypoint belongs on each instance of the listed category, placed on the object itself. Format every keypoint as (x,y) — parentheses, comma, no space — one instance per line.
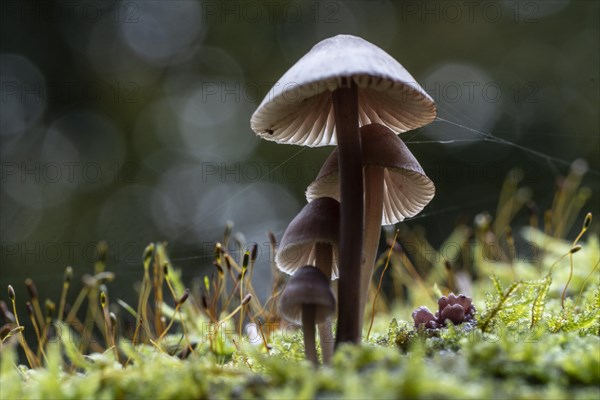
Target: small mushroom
(341,83)
(312,239)
(396,188)
(308,300)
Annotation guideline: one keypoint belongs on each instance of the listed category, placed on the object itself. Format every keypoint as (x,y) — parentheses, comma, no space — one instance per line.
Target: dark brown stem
(373,212)
(308,327)
(345,107)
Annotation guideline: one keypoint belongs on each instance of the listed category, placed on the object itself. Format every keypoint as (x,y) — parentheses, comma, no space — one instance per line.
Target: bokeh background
(128,121)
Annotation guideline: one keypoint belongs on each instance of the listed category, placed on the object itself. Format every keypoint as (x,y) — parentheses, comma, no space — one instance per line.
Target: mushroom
(396,188)
(341,83)
(308,300)
(312,239)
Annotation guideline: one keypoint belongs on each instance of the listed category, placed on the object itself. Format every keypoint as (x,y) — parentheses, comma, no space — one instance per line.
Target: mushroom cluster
(396,188)
(342,84)
(310,242)
(455,309)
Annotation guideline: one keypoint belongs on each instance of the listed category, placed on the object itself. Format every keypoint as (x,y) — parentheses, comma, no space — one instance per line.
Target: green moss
(507,363)
(527,343)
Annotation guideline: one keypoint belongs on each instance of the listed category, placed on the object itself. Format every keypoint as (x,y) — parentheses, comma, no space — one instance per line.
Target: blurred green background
(128,121)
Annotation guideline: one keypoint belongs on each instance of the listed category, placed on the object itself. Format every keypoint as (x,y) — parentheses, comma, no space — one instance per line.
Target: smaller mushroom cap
(317,222)
(407,190)
(308,286)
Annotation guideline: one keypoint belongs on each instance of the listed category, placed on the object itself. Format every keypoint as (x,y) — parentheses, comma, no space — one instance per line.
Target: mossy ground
(512,363)
(537,334)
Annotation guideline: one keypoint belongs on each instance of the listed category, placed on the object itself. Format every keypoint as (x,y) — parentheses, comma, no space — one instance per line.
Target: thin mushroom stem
(324,262)
(324,258)
(308,327)
(374,188)
(345,108)
(326,337)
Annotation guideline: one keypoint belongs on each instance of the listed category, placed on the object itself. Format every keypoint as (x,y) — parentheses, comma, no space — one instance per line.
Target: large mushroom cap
(308,286)
(298,109)
(317,222)
(407,190)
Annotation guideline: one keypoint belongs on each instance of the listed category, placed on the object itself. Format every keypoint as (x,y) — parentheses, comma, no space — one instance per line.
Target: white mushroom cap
(298,109)
(317,222)
(308,286)
(407,190)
